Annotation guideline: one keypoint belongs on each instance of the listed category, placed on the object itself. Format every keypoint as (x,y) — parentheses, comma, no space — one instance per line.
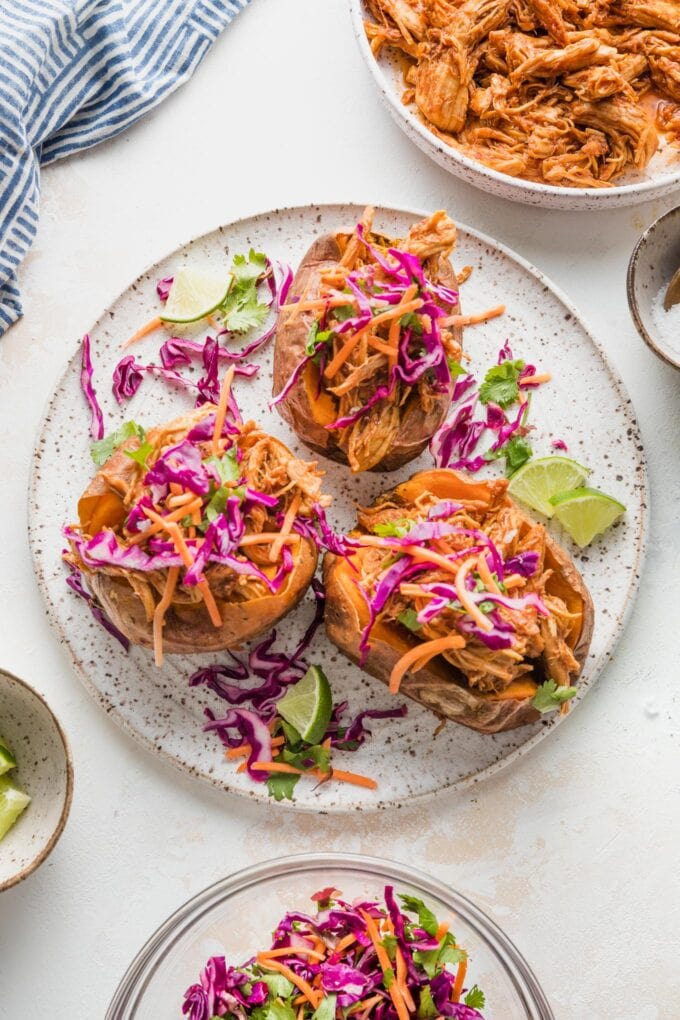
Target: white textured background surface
(574,849)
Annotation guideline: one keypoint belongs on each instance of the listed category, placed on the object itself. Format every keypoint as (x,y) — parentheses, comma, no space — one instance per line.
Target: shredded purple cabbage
(86,374)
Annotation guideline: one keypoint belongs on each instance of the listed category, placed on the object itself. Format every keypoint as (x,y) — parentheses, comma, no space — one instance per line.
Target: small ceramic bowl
(655,259)
(44,770)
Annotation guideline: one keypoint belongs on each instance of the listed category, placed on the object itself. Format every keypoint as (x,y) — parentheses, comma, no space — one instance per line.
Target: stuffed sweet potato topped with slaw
(451,594)
(186,534)
(368,342)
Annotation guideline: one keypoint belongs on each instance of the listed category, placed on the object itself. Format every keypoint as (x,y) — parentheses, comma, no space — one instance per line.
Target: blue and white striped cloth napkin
(74,73)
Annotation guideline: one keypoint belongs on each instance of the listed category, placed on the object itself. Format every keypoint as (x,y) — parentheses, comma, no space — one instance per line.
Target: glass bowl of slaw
(235,917)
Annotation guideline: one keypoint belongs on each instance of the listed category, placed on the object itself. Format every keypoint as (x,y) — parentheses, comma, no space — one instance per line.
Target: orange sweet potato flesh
(439,686)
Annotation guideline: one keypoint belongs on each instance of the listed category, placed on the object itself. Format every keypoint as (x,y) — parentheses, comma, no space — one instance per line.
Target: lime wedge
(308,704)
(12,802)
(585,513)
(195,293)
(7,759)
(540,479)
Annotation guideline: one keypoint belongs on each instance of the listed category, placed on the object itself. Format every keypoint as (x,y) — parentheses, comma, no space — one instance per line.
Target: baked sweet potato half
(365,343)
(197,536)
(453,596)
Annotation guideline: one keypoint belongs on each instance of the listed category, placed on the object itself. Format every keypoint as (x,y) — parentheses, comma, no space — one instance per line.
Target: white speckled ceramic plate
(586,405)
(660,177)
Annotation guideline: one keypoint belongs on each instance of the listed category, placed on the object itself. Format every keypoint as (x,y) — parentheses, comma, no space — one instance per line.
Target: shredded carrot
(458,983)
(378,345)
(243,750)
(513,581)
(384,961)
(365,1006)
(541,377)
(343,777)
(396,311)
(313,997)
(188,561)
(471,607)
(213,322)
(401,978)
(160,523)
(144,331)
(393,342)
(180,499)
(318,304)
(442,930)
(286,527)
(160,611)
(415,551)
(264,537)
(300,1013)
(345,943)
(291,951)
(485,574)
(221,412)
(464,274)
(350,777)
(421,654)
(475,319)
(242,767)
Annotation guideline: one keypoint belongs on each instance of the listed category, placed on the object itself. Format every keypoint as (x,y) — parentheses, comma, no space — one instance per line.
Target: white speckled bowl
(661,176)
(655,258)
(44,770)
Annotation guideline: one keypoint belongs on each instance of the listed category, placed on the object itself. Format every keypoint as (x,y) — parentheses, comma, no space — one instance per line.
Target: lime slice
(308,704)
(585,513)
(7,759)
(195,293)
(12,802)
(540,479)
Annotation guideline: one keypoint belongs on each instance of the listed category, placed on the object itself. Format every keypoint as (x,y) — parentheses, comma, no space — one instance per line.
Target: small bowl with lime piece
(36,780)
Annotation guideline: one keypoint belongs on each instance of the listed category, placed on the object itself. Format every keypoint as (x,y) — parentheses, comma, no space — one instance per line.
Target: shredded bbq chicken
(561,92)
(539,647)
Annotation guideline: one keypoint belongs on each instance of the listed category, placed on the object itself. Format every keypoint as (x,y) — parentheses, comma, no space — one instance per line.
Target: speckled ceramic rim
(606,197)
(54,838)
(661,352)
(131,989)
(472,778)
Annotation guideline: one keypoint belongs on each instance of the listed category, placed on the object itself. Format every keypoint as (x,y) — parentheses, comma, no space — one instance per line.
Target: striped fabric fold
(77,72)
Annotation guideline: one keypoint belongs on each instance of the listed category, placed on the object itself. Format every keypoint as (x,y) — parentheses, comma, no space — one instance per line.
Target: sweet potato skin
(188,629)
(438,685)
(418,426)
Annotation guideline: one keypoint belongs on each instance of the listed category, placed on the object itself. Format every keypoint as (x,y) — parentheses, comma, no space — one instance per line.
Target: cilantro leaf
(242,310)
(249,270)
(320,756)
(500,384)
(280,786)
(549,696)
(393,529)
(279,1010)
(475,998)
(389,942)
(426,919)
(426,1006)
(141,454)
(315,338)
(411,321)
(409,618)
(517,451)
(103,448)
(388,978)
(226,466)
(278,985)
(432,960)
(344,312)
(326,1008)
(455,368)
